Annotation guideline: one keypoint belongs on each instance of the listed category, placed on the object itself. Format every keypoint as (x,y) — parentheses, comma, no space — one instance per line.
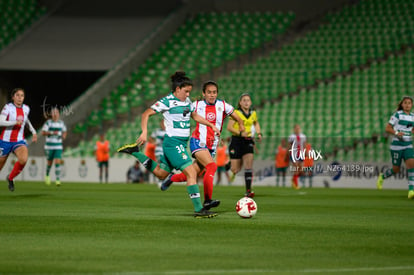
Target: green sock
(387,173)
(57,171)
(194,193)
(146,161)
(410,179)
(48,169)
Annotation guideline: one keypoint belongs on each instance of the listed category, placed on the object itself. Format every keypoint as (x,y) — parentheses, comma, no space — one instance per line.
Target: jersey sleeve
(254,116)
(5,111)
(228,109)
(394,119)
(45,127)
(160,106)
(27,108)
(231,118)
(291,138)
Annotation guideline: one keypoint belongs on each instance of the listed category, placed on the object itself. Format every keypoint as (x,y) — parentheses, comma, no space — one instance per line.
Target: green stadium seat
(94,119)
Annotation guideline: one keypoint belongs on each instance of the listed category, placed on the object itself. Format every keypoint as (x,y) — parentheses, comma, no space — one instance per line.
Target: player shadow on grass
(28,196)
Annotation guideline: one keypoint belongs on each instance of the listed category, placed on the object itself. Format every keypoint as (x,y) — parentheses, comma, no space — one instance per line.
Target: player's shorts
(398,155)
(221,169)
(175,154)
(7,147)
(52,154)
(196,146)
(102,164)
(240,146)
(281,169)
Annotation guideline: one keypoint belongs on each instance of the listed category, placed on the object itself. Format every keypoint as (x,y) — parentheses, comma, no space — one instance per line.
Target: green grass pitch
(137,229)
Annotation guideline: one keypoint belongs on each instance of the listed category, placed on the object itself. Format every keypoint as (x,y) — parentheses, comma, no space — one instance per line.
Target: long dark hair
(15,90)
(179,79)
(209,82)
(399,108)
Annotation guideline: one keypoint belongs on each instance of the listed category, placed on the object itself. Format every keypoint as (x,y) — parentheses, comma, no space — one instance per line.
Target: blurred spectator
(135,174)
(281,162)
(307,166)
(102,156)
(221,159)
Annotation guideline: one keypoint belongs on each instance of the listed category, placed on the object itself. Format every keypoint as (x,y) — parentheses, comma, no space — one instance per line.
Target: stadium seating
(17,16)
(347,39)
(354,62)
(351,109)
(229,36)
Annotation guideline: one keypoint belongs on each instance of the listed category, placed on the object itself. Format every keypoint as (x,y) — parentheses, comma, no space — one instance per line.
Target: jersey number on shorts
(180,149)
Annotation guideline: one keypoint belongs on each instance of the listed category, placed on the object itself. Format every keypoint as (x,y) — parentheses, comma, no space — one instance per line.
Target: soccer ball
(246,207)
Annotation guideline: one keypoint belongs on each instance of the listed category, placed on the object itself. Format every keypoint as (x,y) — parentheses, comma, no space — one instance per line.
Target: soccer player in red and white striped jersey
(204,141)
(297,142)
(14,117)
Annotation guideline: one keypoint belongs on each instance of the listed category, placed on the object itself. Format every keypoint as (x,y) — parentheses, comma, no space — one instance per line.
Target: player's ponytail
(179,79)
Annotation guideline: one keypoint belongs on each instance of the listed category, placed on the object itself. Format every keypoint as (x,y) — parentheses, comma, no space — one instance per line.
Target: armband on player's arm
(4,122)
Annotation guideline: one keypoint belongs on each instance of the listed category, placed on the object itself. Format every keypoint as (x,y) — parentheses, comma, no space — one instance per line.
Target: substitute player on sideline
(14,117)
(54,130)
(177,111)
(204,142)
(102,150)
(400,126)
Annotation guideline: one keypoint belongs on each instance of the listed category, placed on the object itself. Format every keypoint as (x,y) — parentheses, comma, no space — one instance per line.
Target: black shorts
(240,146)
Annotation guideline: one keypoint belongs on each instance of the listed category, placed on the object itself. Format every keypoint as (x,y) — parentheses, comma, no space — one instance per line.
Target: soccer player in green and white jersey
(177,111)
(54,130)
(401,126)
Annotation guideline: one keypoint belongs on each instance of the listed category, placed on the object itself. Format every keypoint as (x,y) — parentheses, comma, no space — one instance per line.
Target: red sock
(295,179)
(208,180)
(179,177)
(17,168)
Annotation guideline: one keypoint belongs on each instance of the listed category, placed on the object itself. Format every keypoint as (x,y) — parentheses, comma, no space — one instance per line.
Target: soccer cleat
(380,180)
(411,194)
(58,183)
(203,213)
(128,148)
(166,182)
(47,180)
(11,183)
(249,194)
(295,185)
(210,204)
